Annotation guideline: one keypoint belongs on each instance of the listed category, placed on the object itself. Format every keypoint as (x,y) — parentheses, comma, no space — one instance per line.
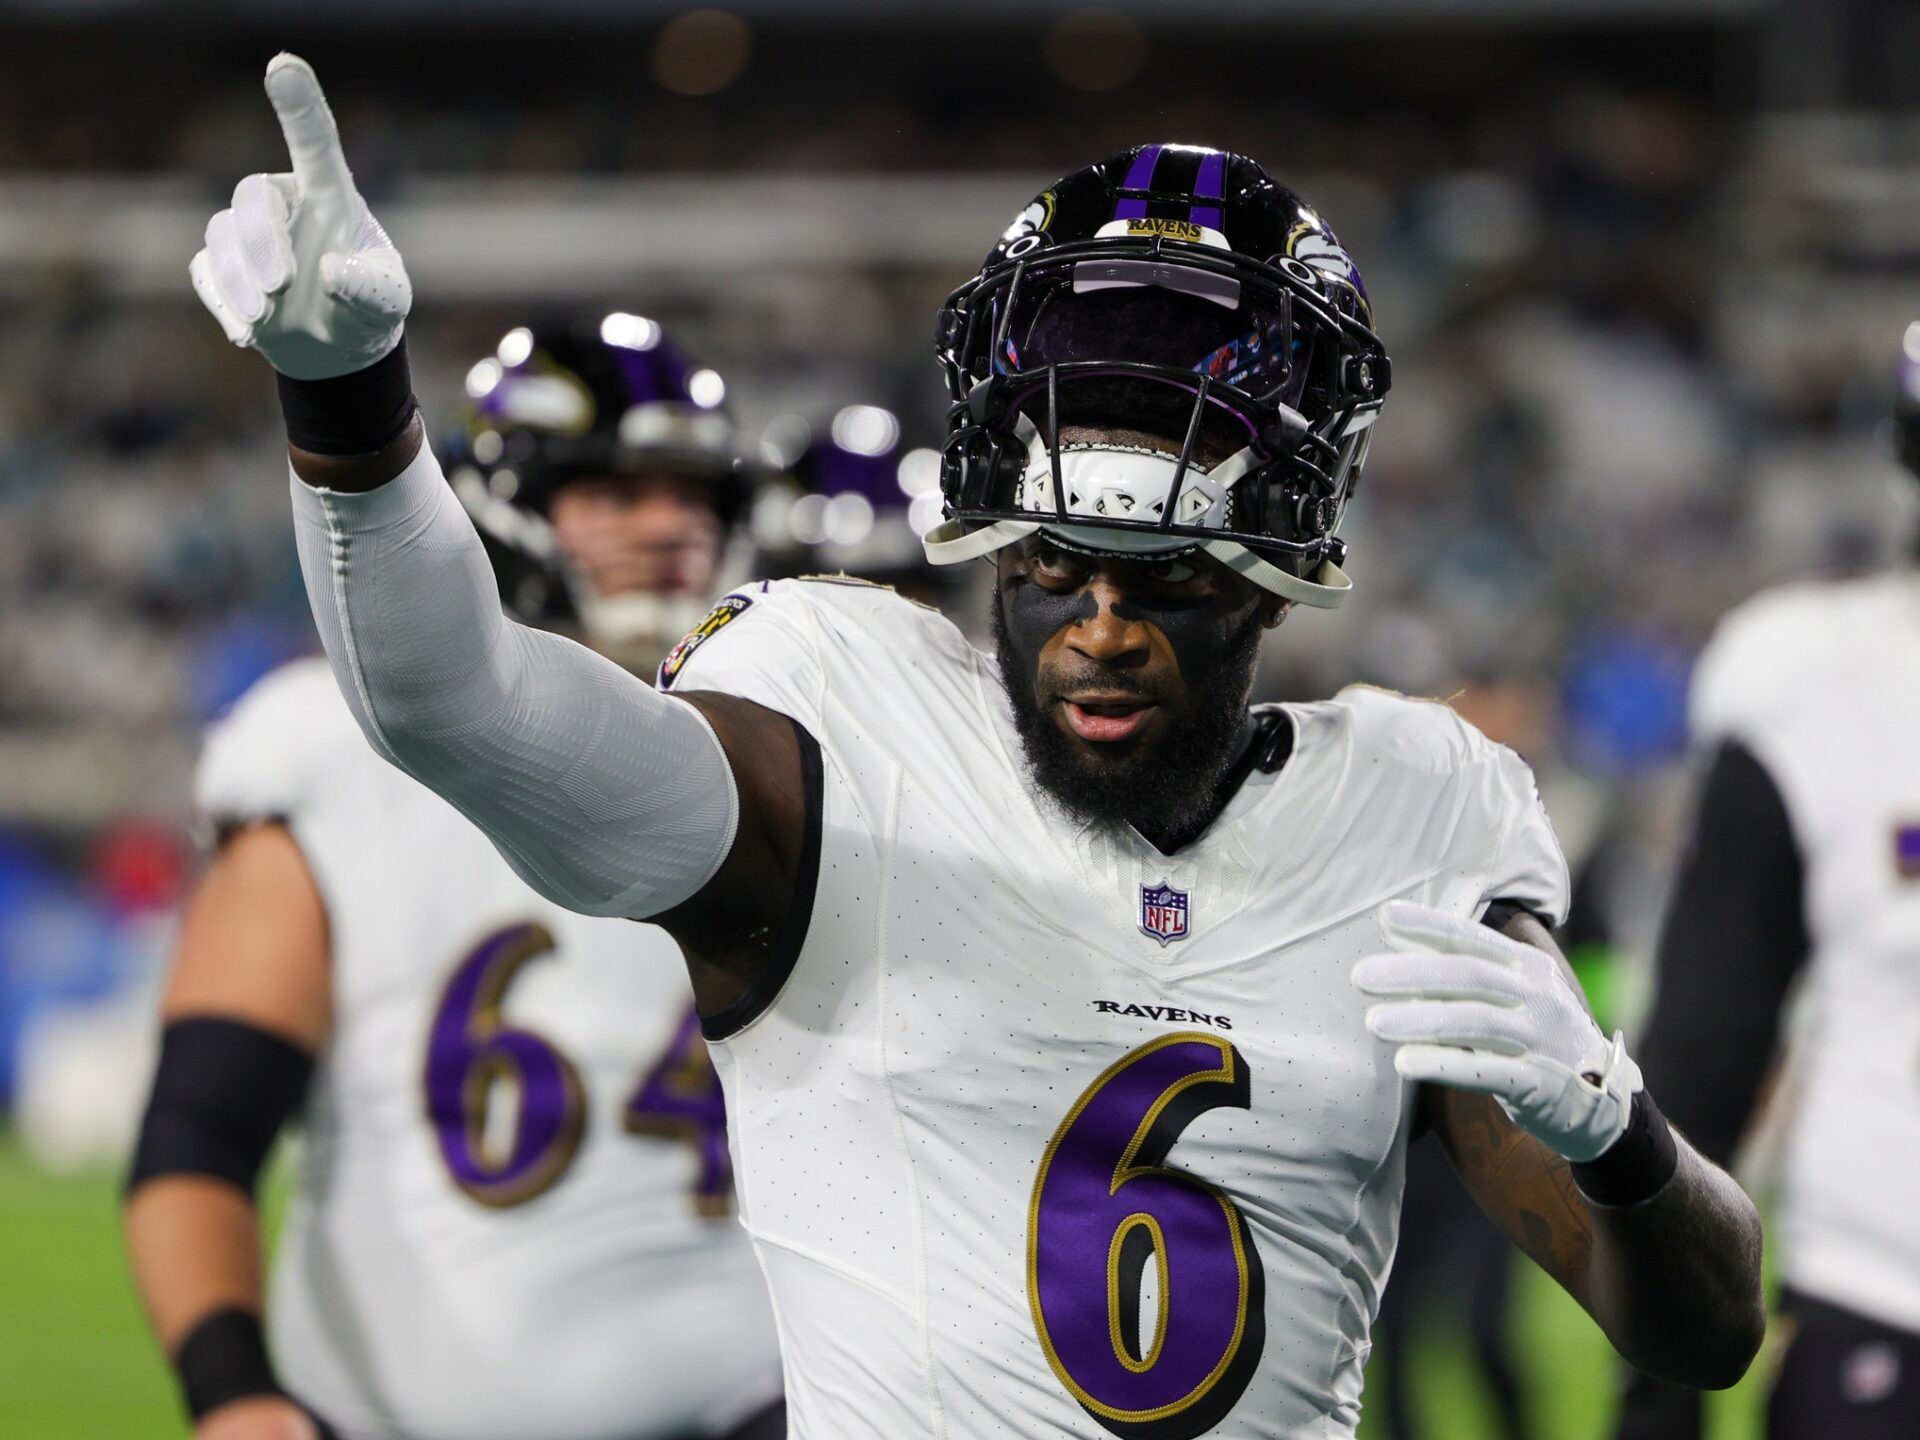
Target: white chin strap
(1120,482)
(637,630)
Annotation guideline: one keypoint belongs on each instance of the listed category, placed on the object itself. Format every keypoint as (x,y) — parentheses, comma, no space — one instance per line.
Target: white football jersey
(1051,1134)
(1822,683)
(512,1218)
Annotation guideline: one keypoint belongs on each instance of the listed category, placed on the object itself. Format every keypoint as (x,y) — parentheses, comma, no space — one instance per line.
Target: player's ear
(1273,609)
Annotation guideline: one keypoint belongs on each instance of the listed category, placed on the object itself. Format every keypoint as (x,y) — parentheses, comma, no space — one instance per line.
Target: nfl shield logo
(1163,912)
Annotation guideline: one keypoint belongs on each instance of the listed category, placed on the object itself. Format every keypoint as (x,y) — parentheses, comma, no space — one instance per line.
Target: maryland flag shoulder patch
(717,619)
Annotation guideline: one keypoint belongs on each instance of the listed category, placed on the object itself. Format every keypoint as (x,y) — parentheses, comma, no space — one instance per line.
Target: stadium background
(1643,268)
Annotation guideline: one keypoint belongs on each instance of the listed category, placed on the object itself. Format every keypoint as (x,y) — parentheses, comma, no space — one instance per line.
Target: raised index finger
(313,141)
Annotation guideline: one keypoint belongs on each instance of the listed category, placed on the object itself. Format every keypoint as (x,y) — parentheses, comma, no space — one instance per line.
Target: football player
(866,520)
(1802,875)
(512,1215)
(1073,1017)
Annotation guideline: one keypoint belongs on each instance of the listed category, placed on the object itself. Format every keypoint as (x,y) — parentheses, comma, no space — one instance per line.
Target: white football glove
(1470,1008)
(298,268)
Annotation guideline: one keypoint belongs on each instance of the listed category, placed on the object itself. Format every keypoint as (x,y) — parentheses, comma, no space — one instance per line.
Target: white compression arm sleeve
(605,796)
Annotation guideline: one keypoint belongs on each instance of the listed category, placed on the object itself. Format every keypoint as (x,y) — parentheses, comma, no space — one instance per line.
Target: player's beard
(1169,790)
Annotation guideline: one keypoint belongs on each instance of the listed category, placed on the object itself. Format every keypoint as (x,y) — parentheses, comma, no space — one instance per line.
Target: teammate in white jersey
(1074,1020)
(1803,877)
(513,1215)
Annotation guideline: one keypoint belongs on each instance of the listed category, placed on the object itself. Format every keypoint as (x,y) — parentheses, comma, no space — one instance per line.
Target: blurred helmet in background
(865,500)
(852,514)
(608,404)
(1180,292)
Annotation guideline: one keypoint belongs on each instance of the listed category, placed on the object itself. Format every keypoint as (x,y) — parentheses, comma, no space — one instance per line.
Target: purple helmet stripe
(1213,170)
(653,375)
(1139,177)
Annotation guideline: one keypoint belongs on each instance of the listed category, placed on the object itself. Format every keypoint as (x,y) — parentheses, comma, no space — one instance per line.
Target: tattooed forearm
(1525,1188)
(1674,1281)
(1559,1234)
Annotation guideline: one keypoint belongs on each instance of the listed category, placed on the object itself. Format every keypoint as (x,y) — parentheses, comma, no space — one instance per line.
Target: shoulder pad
(1763,658)
(267,755)
(1427,733)
(841,578)
(814,603)
(728,609)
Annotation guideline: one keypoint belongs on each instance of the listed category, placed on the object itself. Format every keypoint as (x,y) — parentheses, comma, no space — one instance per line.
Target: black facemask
(1171,790)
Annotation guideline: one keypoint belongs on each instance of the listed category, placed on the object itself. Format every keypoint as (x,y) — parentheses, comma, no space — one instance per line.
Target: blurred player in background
(926,895)
(868,501)
(1802,877)
(513,1209)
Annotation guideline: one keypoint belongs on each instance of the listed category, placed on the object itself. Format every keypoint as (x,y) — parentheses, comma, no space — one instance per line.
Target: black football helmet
(611,396)
(857,521)
(1180,292)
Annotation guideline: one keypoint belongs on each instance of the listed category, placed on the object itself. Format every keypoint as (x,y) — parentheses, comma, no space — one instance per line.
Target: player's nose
(1109,636)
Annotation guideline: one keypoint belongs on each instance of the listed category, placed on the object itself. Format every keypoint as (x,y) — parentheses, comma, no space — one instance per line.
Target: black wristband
(1635,1167)
(224,1358)
(352,414)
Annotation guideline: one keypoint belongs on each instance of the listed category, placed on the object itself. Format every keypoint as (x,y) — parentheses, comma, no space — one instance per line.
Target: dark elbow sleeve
(221,1093)
(1734,937)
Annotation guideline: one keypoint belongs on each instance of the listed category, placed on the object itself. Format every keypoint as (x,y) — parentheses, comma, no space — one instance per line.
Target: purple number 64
(1104,1208)
(472,1052)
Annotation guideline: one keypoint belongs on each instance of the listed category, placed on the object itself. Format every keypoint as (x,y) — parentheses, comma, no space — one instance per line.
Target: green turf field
(76,1363)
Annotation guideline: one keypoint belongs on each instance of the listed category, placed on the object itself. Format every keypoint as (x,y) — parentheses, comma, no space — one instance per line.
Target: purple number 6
(471,1050)
(1104,1206)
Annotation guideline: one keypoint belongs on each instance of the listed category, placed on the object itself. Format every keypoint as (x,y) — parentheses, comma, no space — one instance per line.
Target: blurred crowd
(1599,437)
